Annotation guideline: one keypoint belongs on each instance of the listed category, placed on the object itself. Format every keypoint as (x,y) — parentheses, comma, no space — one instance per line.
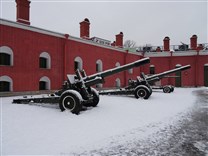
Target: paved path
(188,138)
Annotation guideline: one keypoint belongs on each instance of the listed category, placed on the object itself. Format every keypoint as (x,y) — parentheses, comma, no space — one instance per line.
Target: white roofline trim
(203,52)
(95,44)
(157,54)
(52,33)
(30,28)
(23,20)
(61,35)
(174,54)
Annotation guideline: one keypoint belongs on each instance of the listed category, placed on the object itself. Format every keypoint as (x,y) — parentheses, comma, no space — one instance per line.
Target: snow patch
(45,130)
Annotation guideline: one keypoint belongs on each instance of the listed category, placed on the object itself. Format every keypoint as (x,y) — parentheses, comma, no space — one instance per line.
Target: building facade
(33,59)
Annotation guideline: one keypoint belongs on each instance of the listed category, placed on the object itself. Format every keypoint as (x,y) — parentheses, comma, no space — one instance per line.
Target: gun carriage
(141,88)
(77,91)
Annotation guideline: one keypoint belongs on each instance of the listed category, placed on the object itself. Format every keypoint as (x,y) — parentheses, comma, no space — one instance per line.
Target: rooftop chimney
(23,11)
(119,40)
(166,43)
(193,41)
(85,28)
(113,43)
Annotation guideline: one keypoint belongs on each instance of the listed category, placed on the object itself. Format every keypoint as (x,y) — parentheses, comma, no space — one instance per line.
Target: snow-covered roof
(56,34)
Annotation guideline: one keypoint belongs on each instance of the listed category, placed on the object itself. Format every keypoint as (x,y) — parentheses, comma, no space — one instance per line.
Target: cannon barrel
(95,81)
(161,75)
(118,69)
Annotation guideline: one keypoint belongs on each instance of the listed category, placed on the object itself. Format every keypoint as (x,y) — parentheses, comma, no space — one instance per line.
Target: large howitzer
(156,77)
(159,76)
(141,86)
(77,91)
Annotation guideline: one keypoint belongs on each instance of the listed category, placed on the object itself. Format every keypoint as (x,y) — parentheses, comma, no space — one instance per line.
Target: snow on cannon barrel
(77,91)
(118,69)
(140,87)
(157,77)
(145,81)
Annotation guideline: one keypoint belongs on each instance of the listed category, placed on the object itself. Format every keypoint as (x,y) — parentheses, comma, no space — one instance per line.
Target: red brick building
(34,59)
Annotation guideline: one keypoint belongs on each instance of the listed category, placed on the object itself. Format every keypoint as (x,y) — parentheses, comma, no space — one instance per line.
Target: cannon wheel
(167,89)
(142,91)
(150,90)
(70,101)
(96,97)
(172,88)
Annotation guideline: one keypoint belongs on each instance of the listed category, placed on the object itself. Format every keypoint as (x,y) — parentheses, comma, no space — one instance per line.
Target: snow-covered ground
(45,130)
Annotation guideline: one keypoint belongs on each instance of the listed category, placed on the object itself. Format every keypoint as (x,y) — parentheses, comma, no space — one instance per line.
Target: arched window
(178,65)
(99,66)
(152,69)
(178,76)
(118,83)
(117,64)
(6,56)
(152,72)
(45,60)
(130,71)
(44,83)
(206,75)
(6,84)
(78,63)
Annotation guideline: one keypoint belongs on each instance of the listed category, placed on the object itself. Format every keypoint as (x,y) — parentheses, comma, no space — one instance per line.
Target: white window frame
(80,62)
(48,58)
(100,65)
(9,51)
(7,79)
(48,82)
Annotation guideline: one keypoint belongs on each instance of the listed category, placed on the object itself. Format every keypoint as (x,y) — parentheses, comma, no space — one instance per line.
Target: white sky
(145,22)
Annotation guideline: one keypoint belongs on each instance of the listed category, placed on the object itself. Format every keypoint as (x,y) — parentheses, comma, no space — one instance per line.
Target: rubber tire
(150,89)
(172,88)
(166,89)
(142,91)
(70,101)
(96,97)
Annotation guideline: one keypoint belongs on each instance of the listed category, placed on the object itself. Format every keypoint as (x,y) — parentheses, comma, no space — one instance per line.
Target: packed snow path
(118,126)
(187,137)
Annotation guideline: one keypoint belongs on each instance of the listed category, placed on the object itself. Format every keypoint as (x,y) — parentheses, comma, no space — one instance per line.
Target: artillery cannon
(77,91)
(141,87)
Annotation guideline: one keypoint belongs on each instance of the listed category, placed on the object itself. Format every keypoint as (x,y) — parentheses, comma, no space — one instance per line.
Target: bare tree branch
(129,44)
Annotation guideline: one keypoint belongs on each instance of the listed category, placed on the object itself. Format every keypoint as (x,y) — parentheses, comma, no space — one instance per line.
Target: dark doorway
(76,65)
(178,78)
(152,72)
(206,75)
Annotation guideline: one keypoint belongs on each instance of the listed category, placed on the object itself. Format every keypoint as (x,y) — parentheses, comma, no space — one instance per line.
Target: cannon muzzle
(118,69)
(163,74)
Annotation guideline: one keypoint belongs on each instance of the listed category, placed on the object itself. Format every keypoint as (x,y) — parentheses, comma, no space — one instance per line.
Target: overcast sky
(145,22)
